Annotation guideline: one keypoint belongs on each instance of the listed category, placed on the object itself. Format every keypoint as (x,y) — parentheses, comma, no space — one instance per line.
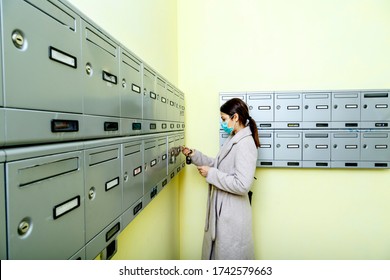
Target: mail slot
(345,149)
(43,39)
(3,232)
(375,146)
(50,225)
(316,149)
(316,109)
(288,110)
(100,64)
(132,172)
(345,109)
(149,92)
(261,108)
(288,148)
(375,110)
(131,85)
(103,185)
(265,153)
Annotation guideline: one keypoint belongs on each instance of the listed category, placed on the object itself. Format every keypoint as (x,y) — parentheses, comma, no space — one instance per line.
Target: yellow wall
(287,45)
(208,46)
(147,28)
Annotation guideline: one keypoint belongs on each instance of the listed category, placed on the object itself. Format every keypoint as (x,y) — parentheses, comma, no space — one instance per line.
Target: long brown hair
(239,107)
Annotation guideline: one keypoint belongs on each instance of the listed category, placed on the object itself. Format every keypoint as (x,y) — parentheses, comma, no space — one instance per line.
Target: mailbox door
(151,154)
(345,109)
(288,109)
(150,95)
(266,150)
(288,148)
(261,108)
(131,85)
(3,232)
(161,106)
(316,149)
(133,188)
(316,109)
(46,207)
(345,149)
(42,53)
(375,111)
(103,188)
(375,146)
(101,72)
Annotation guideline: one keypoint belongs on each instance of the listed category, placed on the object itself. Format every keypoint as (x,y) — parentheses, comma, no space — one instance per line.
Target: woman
(228,229)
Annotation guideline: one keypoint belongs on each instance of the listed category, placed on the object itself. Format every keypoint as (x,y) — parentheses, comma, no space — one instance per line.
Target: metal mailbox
(288,110)
(375,148)
(288,148)
(261,108)
(3,231)
(161,85)
(151,160)
(345,109)
(375,109)
(51,223)
(174,158)
(103,185)
(150,95)
(43,39)
(265,153)
(345,149)
(130,92)
(132,164)
(316,149)
(2,126)
(316,109)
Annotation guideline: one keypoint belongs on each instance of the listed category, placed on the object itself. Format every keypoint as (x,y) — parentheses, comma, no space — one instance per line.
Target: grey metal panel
(95,246)
(103,188)
(131,85)
(345,109)
(28,127)
(375,109)
(43,39)
(129,214)
(317,109)
(2,126)
(150,95)
(375,146)
(265,153)
(3,231)
(100,58)
(50,225)
(182,108)
(133,171)
(288,148)
(171,99)
(261,108)
(316,149)
(151,164)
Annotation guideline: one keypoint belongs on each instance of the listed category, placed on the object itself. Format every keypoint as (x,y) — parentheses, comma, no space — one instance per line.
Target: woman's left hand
(203,170)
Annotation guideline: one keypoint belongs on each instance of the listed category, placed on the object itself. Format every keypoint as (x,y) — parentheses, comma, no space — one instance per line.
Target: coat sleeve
(240,181)
(200,159)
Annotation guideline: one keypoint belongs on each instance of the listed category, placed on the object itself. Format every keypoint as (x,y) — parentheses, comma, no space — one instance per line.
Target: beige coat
(228,229)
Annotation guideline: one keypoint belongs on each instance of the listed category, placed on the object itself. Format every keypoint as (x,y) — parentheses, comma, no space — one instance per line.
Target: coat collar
(231,140)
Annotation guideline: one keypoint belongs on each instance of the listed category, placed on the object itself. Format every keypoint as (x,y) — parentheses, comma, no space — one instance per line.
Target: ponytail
(255,133)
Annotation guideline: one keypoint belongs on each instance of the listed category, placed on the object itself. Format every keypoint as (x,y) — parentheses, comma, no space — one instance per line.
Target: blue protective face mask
(226,127)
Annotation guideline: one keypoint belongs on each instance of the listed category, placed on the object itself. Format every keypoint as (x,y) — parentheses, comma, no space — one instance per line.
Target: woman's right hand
(186,151)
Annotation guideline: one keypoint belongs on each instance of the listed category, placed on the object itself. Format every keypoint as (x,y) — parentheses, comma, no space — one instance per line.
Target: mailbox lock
(88,69)
(18,39)
(123,83)
(365,146)
(306,146)
(91,193)
(24,226)
(126,177)
(365,106)
(278,107)
(306,106)
(335,146)
(335,106)
(277,145)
